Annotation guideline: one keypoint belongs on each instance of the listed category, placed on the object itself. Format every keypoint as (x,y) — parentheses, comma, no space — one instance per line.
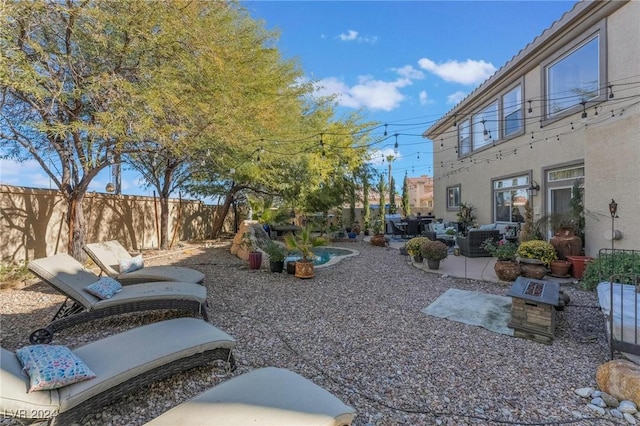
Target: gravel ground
(356,329)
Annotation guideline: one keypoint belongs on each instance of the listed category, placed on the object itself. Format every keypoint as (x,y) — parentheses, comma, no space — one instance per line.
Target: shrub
(605,265)
(537,249)
(413,246)
(434,250)
(503,249)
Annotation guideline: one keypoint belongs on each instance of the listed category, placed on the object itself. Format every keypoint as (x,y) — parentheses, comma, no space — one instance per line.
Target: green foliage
(276,252)
(466,215)
(392,196)
(406,205)
(537,249)
(366,215)
(434,250)
(304,242)
(381,187)
(414,245)
(606,265)
(14,272)
(503,250)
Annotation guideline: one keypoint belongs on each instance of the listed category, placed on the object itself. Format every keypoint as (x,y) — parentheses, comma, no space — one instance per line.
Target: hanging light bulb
(385,129)
(395,147)
(583,117)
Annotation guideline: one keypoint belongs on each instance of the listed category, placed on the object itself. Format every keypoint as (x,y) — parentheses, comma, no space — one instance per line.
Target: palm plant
(304,242)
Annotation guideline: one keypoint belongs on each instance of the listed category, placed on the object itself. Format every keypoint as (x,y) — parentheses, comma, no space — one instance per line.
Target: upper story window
(464,137)
(453,197)
(512,111)
(485,126)
(576,75)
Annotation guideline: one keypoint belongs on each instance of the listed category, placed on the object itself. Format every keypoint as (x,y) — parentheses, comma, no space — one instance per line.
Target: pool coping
(337,259)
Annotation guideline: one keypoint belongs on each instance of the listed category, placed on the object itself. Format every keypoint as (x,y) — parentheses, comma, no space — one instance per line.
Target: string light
(385,129)
(395,146)
(530,109)
(611,91)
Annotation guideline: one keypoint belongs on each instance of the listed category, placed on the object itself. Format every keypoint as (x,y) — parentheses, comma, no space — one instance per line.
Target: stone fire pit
(533,314)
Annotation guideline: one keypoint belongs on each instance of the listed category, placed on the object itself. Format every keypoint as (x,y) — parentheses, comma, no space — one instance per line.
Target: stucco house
(566,107)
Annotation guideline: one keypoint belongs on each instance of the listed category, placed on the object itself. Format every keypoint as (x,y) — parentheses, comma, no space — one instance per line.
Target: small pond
(325,256)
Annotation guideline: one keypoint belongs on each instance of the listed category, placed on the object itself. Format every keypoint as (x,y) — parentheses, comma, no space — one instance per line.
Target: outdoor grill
(533,309)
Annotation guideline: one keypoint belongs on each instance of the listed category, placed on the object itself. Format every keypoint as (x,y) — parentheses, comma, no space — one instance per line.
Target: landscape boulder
(621,379)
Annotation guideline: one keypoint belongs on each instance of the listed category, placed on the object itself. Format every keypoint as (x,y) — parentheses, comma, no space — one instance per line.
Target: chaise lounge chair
(70,278)
(122,363)
(267,396)
(108,256)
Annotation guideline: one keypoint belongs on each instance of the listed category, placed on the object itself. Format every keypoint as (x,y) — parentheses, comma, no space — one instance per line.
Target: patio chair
(471,245)
(396,230)
(122,363)
(267,396)
(108,255)
(69,277)
(414,228)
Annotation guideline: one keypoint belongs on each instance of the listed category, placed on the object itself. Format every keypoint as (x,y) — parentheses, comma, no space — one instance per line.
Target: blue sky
(402,63)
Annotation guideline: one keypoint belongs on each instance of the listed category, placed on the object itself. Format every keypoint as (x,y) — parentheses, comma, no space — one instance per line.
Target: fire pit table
(533,314)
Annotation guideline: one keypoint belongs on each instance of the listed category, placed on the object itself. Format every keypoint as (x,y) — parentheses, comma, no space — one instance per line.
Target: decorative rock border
(602,403)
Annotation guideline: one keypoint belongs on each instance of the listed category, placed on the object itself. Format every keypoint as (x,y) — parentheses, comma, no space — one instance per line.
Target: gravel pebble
(356,329)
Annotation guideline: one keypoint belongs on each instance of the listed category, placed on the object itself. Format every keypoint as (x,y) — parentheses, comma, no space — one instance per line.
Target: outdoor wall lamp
(533,188)
(613,208)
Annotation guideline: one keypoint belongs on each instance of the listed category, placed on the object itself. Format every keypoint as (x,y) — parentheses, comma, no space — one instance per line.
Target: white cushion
(267,396)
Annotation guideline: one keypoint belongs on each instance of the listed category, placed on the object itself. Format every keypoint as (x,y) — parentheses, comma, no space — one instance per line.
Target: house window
(509,198)
(453,197)
(512,111)
(464,146)
(485,126)
(574,78)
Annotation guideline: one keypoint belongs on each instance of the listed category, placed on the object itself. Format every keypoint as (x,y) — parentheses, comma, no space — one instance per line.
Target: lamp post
(613,209)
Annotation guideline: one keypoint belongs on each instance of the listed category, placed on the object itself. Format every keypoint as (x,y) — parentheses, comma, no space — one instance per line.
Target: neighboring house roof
(523,58)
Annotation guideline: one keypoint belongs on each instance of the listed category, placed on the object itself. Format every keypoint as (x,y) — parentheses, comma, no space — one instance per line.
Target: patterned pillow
(104,288)
(52,366)
(131,264)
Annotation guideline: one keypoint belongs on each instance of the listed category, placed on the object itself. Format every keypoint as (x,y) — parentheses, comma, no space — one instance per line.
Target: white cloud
(456,97)
(379,156)
(409,72)
(369,92)
(349,36)
(424,98)
(467,72)
(27,173)
(353,35)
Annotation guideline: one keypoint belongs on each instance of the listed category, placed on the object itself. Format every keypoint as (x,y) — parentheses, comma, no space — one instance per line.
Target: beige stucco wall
(608,145)
(32,221)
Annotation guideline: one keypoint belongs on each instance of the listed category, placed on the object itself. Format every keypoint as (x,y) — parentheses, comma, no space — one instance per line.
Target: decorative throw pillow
(131,264)
(52,366)
(104,288)
(438,228)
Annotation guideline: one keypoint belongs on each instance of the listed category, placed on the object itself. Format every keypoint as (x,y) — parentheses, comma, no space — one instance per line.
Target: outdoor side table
(533,314)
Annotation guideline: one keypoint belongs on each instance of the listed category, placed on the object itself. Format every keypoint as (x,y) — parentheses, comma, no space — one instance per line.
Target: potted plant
(466,216)
(506,267)
(255,255)
(304,242)
(277,253)
(378,238)
(414,247)
(534,257)
(434,252)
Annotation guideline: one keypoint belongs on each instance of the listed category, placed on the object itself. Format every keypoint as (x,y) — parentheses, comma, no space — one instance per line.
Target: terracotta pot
(533,270)
(304,269)
(378,240)
(578,265)
(507,270)
(433,264)
(560,268)
(566,243)
(255,259)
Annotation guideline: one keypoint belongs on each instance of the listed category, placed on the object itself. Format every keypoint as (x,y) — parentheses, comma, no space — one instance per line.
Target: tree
(406,206)
(67,73)
(366,214)
(392,196)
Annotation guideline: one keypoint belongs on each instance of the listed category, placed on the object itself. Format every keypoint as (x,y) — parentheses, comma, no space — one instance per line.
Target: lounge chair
(108,255)
(70,278)
(267,396)
(122,363)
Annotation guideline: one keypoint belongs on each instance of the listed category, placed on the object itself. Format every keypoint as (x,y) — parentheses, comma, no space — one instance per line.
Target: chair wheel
(41,336)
